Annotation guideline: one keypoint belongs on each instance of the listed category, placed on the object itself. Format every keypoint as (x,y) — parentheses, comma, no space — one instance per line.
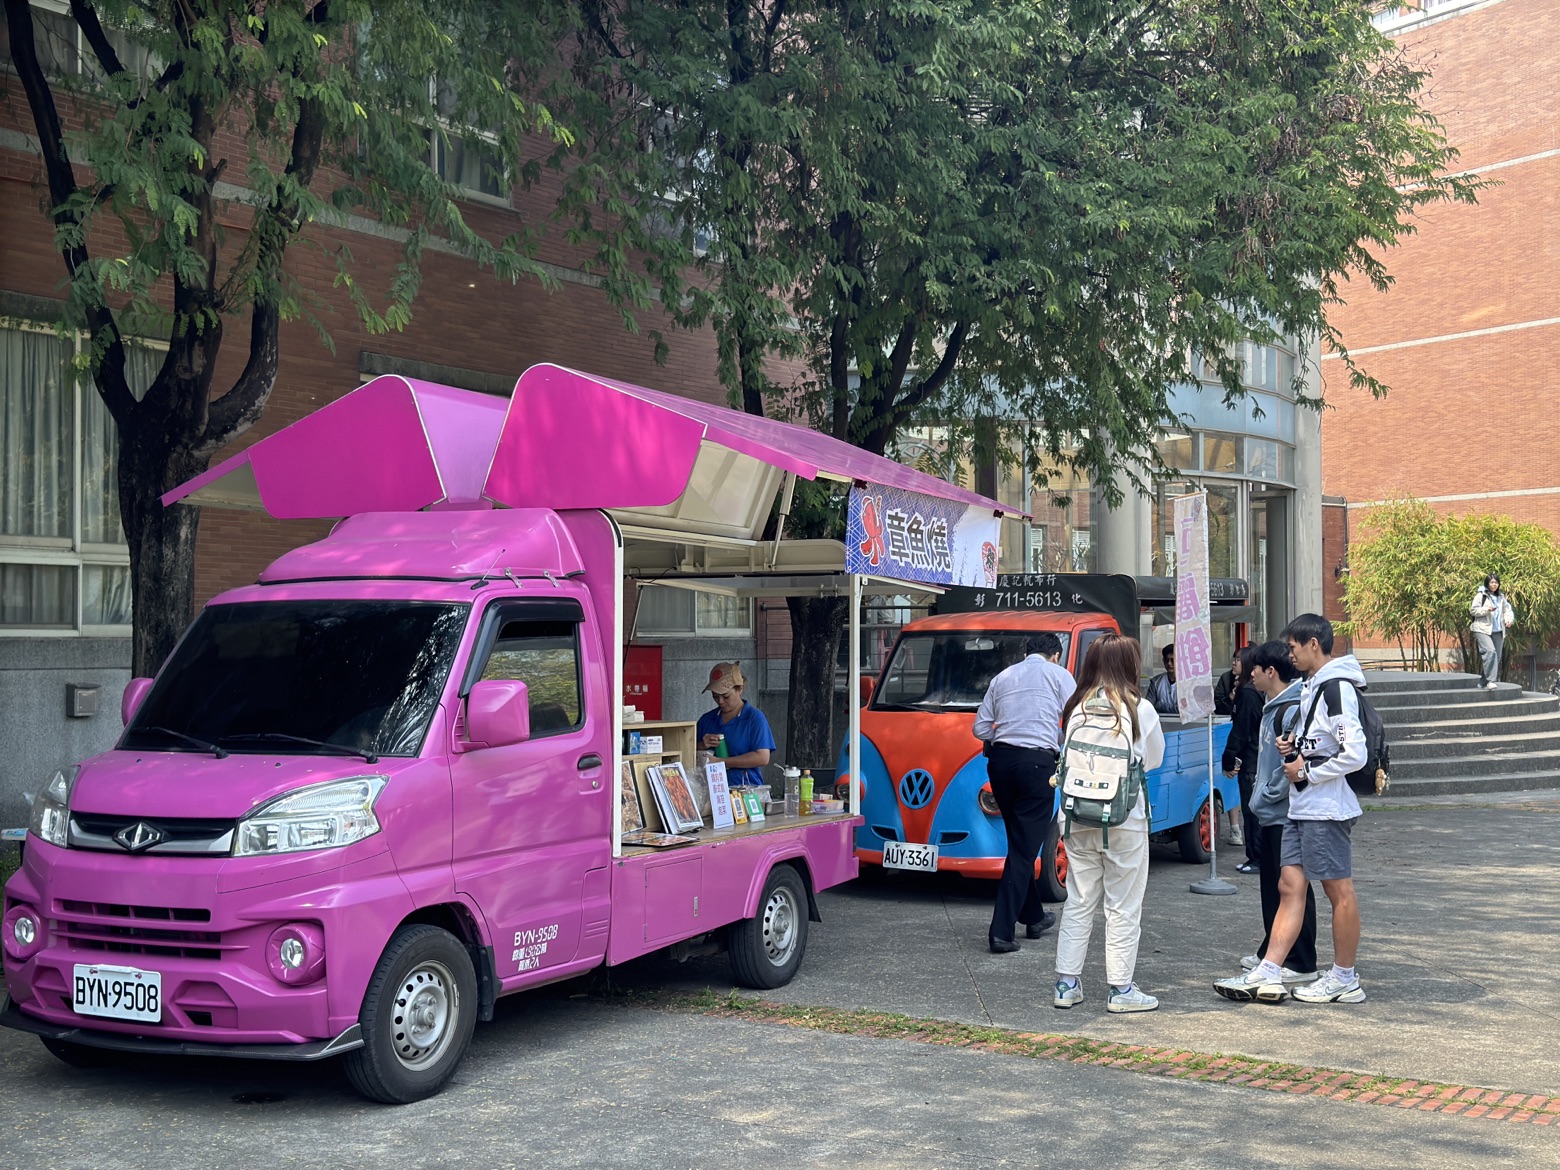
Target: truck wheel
(81,1055)
(1053,866)
(767,949)
(1195,838)
(417,1017)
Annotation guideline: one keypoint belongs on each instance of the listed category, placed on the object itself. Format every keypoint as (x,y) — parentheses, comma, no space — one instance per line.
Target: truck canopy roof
(564,440)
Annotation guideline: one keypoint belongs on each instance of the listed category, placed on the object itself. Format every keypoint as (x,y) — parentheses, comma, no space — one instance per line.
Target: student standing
(1240,758)
(1271,675)
(1327,746)
(1115,876)
(1492,617)
(1020,722)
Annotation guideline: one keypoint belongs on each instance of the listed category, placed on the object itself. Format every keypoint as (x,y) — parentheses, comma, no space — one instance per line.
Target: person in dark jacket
(1240,755)
(1224,689)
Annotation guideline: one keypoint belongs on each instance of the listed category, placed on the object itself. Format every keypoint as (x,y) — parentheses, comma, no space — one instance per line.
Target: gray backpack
(1099,777)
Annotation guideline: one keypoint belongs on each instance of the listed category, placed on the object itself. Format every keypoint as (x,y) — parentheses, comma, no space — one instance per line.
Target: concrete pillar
(1306,563)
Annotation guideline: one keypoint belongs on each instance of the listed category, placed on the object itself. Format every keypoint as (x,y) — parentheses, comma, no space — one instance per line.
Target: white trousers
(1117,878)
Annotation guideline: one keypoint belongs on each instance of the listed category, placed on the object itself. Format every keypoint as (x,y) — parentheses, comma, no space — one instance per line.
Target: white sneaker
(1252,962)
(1133,999)
(1249,986)
(1491,686)
(1067,994)
(1237,834)
(1330,989)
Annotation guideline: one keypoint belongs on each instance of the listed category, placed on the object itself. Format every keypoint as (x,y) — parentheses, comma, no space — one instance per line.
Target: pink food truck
(385,784)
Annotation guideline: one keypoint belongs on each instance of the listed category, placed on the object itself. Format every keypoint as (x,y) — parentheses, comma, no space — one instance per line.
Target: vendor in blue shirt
(748,738)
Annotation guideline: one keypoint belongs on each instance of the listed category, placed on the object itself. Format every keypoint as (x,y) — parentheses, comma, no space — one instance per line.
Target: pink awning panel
(393,445)
(574,440)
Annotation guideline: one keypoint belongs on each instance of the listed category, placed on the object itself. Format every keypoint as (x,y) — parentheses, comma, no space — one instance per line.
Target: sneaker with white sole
(1252,962)
(1133,999)
(1067,994)
(1330,989)
(1249,986)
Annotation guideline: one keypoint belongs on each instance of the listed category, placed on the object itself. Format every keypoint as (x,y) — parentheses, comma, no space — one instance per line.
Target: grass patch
(10,860)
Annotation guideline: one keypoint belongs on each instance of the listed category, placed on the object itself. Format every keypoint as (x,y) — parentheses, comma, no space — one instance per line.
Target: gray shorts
(1321,848)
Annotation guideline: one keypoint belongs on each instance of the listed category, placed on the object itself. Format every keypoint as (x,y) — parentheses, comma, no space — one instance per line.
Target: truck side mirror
(135,694)
(867,687)
(498,713)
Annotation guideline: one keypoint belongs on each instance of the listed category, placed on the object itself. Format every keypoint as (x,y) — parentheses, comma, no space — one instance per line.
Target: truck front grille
(118,929)
(175,835)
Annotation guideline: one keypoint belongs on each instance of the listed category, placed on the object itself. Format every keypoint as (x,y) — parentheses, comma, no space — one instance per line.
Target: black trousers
(1302,956)
(1250,827)
(1021,784)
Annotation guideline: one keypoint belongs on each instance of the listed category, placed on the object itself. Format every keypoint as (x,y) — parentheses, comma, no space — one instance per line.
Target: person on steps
(1492,617)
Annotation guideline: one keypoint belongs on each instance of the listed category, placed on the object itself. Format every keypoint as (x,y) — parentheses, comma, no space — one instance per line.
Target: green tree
(1001,213)
(1413,577)
(335,102)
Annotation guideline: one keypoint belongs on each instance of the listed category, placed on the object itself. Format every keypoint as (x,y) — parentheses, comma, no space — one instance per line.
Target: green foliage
(1413,578)
(1026,210)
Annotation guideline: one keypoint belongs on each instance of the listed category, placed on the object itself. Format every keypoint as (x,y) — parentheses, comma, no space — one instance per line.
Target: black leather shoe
(1036,929)
(1003,946)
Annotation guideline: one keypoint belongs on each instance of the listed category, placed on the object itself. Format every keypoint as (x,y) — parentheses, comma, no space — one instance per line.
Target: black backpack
(1373,777)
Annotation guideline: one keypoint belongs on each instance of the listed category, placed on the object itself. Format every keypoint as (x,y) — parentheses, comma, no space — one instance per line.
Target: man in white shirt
(1020,721)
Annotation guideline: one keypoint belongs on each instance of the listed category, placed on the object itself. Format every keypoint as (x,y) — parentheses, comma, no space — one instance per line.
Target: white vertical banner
(1193,623)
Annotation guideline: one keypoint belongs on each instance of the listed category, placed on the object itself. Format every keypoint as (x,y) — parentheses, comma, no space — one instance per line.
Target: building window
(1395,17)
(462,155)
(666,611)
(64,564)
(63,50)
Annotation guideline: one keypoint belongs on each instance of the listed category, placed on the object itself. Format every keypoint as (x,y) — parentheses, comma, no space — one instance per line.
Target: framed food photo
(678,809)
(628,795)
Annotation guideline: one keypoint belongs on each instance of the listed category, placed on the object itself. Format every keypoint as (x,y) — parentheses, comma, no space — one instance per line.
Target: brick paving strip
(1181,1064)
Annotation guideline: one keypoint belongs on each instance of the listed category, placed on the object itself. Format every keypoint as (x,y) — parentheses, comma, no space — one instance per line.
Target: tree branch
(933,382)
(87,20)
(111,381)
(275,225)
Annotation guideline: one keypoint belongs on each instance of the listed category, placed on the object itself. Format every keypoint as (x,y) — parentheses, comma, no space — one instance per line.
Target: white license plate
(119,993)
(902,855)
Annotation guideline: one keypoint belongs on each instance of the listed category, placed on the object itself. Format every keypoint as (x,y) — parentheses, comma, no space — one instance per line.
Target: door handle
(590,760)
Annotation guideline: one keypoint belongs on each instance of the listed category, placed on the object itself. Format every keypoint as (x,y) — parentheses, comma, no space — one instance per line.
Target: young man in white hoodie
(1322,811)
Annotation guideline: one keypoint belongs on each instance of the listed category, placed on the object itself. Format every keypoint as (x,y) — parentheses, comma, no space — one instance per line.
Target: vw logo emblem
(139,837)
(916,788)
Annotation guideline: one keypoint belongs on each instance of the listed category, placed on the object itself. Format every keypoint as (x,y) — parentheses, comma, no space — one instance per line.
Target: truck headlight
(51,807)
(322,816)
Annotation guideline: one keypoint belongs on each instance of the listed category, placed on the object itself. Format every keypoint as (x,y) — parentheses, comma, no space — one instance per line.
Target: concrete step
(1433,746)
(1387,681)
(1499,711)
(1452,785)
(1457,728)
(1497,763)
(1447,696)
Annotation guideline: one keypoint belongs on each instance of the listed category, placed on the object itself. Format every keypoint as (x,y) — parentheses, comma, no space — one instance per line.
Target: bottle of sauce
(806,794)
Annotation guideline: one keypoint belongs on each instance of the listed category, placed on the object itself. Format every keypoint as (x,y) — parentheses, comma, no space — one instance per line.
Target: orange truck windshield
(948,671)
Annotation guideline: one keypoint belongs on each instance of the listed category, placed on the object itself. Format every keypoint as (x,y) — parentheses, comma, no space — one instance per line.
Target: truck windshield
(948,671)
(303,678)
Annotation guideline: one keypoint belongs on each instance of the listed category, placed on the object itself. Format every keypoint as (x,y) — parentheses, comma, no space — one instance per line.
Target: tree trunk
(162,540)
(816,626)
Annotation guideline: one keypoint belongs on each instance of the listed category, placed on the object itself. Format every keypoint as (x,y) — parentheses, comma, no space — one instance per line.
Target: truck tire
(1194,838)
(1053,866)
(417,1017)
(767,949)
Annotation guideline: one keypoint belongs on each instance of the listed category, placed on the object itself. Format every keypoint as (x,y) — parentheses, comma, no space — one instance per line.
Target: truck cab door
(532,836)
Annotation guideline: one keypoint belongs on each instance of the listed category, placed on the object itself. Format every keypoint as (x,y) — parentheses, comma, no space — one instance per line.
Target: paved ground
(1459,958)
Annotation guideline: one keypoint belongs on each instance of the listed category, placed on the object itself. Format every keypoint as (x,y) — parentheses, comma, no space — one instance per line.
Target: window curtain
(35,434)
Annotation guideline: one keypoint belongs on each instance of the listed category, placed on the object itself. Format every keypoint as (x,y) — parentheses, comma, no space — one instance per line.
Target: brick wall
(1471,416)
